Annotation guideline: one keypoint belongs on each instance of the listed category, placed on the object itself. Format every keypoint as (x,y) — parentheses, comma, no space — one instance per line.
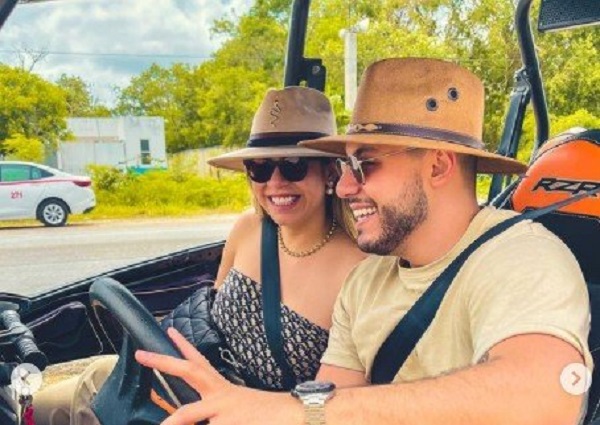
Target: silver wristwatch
(313,395)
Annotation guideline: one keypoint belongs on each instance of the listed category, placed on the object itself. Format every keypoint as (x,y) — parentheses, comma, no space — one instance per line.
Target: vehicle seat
(566,165)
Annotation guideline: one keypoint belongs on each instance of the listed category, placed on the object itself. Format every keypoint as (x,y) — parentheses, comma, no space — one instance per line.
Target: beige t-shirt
(523,281)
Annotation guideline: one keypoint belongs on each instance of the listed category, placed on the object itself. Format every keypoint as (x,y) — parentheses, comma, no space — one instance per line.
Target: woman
(293,187)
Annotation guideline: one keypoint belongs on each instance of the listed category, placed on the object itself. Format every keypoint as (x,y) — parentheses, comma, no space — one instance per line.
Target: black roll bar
(513,126)
(6,6)
(532,72)
(528,86)
(299,69)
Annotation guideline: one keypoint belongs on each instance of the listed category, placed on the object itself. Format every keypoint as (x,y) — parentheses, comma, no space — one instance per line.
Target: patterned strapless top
(237,312)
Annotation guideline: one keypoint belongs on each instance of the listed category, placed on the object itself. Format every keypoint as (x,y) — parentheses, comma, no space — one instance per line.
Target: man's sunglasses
(291,169)
(356,165)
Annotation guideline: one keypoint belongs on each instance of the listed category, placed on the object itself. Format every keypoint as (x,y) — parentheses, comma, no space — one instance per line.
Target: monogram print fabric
(237,312)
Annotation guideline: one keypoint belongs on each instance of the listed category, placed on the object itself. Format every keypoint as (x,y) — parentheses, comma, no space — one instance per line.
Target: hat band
(415,131)
(270,140)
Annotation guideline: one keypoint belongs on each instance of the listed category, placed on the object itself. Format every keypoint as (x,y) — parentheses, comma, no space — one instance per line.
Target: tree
(167,93)
(31,107)
(28,58)
(21,148)
(226,102)
(80,101)
(213,102)
(478,34)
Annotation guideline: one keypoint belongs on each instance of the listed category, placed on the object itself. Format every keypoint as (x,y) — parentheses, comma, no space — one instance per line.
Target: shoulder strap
(271,299)
(407,333)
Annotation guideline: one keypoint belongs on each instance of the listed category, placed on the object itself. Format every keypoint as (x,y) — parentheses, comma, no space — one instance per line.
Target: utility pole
(349,35)
(350,67)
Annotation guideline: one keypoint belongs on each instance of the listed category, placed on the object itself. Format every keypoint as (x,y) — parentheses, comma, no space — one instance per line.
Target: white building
(125,142)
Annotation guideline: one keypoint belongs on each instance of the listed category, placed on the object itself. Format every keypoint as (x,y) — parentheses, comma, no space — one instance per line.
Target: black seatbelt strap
(407,333)
(271,299)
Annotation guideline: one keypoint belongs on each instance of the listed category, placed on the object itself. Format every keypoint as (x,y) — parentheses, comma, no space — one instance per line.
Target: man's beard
(399,220)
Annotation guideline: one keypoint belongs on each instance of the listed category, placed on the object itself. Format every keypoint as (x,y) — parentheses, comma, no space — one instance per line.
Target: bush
(167,192)
(106,177)
(21,148)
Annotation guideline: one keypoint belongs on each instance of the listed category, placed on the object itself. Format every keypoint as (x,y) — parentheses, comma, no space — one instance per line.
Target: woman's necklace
(310,251)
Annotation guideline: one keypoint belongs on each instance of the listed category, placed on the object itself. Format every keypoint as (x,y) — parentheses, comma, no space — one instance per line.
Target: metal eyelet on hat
(453,94)
(432,104)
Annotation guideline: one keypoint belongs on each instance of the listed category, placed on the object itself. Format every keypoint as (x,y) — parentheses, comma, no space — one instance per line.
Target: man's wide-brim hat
(284,118)
(420,103)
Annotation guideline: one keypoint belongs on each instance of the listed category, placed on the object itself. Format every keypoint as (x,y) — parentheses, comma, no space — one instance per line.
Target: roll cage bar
(6,6)
(299,69)
(529,86)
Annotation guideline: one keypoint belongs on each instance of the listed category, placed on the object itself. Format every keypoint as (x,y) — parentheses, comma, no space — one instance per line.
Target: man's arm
(342,377)
(519,383)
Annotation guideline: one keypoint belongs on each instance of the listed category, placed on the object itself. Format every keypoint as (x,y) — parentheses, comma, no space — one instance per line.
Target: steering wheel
(126,393)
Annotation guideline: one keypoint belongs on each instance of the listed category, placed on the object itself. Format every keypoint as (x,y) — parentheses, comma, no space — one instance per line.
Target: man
(514,317)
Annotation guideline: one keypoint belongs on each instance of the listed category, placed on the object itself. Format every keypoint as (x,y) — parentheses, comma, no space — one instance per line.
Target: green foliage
(31,107)
(213,104)
(182,167)
(571,72)
(171,192)
(80,101)
(581,118)
(227,103)
(107,178)
(176,191)
(21,148)
(166,93)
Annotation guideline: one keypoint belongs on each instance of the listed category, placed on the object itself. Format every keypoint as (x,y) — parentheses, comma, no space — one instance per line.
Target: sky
(106,42)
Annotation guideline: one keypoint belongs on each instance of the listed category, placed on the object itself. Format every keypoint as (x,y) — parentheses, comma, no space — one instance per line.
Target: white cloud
(106,42)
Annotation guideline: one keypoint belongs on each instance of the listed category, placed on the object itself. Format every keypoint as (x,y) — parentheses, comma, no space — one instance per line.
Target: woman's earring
(329,188)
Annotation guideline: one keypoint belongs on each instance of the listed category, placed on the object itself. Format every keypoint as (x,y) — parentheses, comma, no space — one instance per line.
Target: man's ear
(443,166)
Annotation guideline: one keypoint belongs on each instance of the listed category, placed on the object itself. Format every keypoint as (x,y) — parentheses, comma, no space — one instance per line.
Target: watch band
(314,414)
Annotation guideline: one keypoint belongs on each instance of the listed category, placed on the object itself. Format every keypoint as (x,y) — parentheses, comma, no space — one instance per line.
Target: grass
(166,193)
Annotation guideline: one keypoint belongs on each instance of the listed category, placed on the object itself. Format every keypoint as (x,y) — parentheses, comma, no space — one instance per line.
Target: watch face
(314,387)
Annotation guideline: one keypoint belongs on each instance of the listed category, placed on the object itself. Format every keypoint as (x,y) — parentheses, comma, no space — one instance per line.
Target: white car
(29,190)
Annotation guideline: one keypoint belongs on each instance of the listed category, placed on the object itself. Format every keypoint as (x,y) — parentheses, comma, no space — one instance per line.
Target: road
(35,258)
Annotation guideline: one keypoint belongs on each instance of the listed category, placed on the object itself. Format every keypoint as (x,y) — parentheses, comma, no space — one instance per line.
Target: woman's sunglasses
(291,169)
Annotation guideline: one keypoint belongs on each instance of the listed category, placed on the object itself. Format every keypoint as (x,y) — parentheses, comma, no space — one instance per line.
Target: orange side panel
(560,171)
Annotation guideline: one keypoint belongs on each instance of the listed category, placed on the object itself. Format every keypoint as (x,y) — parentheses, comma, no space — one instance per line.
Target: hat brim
(487,162)
(235,160)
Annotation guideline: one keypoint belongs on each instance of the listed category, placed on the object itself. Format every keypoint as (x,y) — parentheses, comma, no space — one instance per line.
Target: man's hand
(222,402)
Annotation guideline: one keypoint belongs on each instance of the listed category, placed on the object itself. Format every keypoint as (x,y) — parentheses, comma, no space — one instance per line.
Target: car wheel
(53,213)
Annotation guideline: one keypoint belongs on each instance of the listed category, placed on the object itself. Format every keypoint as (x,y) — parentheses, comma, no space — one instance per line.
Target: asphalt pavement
(36,258)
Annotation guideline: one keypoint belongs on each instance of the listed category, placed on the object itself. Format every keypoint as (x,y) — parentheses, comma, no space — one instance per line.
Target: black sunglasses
(356,165)
(292,169)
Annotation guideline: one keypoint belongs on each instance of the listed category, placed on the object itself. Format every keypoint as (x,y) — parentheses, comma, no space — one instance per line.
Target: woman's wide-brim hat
(420,103)
(284,118)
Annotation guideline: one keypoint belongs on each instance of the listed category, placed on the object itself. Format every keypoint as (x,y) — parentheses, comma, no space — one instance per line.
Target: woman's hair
(335,207)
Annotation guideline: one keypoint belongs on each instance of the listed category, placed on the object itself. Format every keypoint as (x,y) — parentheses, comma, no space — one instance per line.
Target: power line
(108,54)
